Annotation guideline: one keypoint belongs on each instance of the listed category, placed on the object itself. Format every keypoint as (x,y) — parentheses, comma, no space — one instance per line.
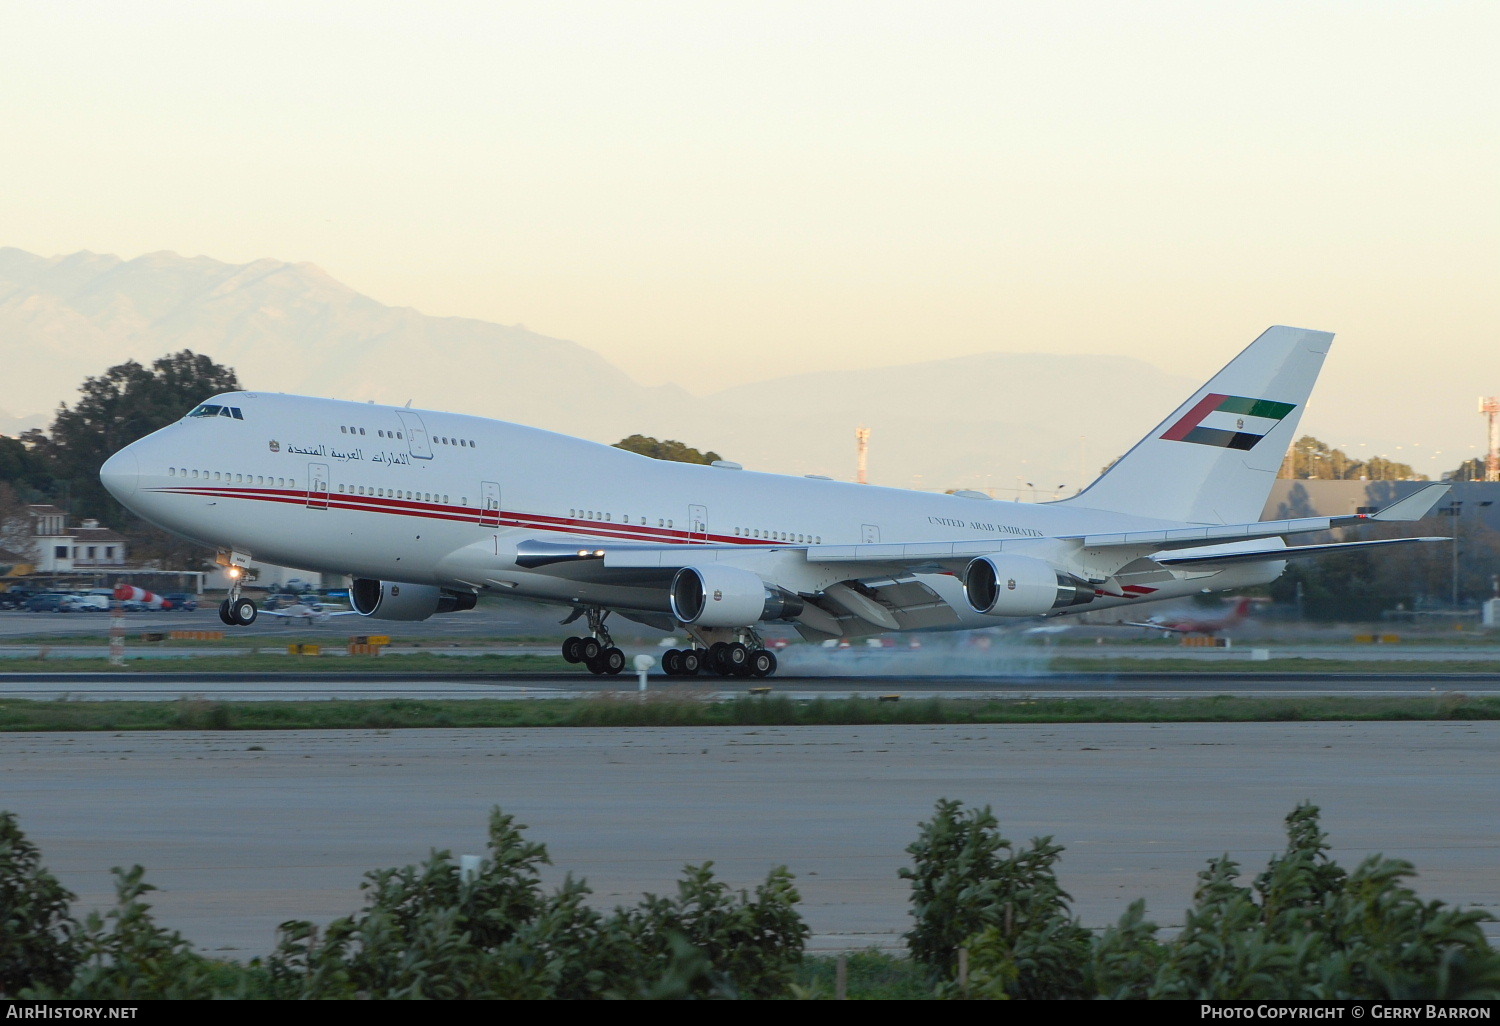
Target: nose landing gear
(237,610)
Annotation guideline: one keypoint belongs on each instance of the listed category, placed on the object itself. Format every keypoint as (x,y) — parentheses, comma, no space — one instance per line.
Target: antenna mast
(1491,407)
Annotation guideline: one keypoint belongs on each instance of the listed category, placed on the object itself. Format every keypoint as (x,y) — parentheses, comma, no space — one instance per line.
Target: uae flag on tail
(1228,421)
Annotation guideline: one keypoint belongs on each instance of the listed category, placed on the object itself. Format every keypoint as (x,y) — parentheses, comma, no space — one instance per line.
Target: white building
(53,547)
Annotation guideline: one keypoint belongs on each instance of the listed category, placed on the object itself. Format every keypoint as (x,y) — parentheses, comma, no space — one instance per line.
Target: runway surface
(294,685)
(244,830)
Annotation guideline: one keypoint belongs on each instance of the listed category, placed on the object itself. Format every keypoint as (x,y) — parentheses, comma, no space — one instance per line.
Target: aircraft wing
(310,615)
(1148,624)
(1206,555)
(943,556)
(948,556)
(860,586)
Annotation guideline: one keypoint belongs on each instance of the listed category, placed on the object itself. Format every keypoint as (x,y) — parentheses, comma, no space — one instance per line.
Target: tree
(1468,470)
(125,403)
(1311,459)
(21,465)
(668,450)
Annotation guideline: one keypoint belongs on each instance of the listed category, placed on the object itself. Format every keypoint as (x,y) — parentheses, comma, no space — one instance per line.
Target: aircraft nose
(121,473)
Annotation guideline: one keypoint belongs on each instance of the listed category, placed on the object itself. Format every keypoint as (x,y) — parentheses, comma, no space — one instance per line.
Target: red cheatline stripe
(471,515)
(1177,432)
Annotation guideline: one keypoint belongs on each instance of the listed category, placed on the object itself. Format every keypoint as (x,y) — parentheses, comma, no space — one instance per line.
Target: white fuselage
(444,499)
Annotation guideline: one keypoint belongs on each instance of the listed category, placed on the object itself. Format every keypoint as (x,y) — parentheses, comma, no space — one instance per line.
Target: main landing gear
(598,652)
(237,610)
(712,652)
(746,657)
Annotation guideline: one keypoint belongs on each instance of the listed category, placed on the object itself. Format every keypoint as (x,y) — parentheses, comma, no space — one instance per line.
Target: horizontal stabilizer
(1415,506)
(1189,557)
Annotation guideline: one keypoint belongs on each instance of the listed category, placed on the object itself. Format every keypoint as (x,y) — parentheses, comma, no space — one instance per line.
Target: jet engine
(392,600)
(1005,585)
(726,596)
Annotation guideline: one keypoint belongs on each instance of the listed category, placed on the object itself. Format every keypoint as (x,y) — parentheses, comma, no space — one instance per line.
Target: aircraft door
(489,503)
(317,486)
(416,435)
(697,523)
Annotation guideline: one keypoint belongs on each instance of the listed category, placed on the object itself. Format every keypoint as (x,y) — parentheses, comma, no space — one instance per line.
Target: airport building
(1472,501)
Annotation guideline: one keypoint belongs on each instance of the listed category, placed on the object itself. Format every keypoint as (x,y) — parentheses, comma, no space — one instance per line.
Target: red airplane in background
(1208,628)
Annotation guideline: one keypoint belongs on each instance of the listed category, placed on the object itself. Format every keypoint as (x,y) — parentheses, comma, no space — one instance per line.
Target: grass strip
(489,664)
(674,711)
(425,662)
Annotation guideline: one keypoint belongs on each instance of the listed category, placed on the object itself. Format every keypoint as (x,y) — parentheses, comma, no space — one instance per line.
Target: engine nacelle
(726,596)
(392,600)
(1005,585)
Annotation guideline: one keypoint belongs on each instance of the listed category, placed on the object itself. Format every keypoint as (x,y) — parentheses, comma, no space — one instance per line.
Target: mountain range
(1006,422)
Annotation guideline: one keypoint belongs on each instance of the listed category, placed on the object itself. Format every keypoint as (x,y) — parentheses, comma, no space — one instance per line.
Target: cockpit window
(211,410)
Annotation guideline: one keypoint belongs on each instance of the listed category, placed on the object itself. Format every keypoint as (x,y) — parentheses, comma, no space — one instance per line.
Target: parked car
(47,602)
(85,604)
(181,600)
(15,598)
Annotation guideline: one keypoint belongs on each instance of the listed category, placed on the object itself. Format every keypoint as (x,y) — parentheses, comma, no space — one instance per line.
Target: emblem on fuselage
(275,445)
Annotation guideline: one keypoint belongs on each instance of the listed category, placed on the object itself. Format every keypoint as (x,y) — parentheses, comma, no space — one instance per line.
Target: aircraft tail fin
(1214,459)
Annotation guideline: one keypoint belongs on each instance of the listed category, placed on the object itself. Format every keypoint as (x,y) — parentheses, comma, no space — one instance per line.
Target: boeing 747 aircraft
(426,511)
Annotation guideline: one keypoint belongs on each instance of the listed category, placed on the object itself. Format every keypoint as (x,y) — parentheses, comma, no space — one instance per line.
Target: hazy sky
(711,192)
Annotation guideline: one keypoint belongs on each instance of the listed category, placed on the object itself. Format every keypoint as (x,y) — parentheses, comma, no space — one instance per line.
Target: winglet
(1415,506)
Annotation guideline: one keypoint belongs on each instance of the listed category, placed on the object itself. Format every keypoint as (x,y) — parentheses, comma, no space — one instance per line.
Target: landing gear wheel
(242,612)
(611,661)
(735,660)
(671,662)
(589,649)
(570,650)
(689,662)
(713,660)
(762,663)
(224,613)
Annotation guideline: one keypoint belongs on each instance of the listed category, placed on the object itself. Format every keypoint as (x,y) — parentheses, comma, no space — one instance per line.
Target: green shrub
(428,933)
(124,955)
(971,888)
(1307,930)
(37,931)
